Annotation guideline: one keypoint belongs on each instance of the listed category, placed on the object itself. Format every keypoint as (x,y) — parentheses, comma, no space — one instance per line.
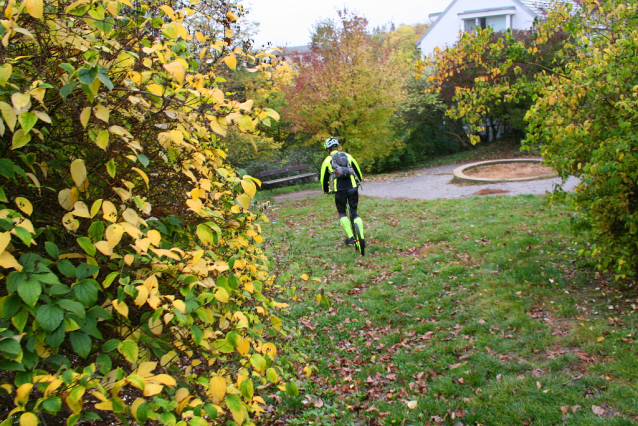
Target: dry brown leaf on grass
(599,411)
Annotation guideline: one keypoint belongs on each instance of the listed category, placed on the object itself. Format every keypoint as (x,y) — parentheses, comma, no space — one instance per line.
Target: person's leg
(341,199)
(353,200)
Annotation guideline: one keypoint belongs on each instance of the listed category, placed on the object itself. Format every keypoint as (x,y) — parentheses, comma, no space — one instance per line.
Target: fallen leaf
(599,411)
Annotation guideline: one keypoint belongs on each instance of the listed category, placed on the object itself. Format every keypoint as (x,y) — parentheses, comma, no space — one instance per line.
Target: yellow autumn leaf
(109,210)
(180,305)
(243,346)
(24,205)
(168,10)
(142,295)
(142,175)
(243,200)
(78,172)
(85,115)
(121,308)
(101,112)
(152,389)
(164,379)
(104,247)
(217,387)
(155,89)
(81,210)
(120,131)
(5,239)
(231,62)
(176,70)
(114,234)
(155,237)
(29,419)
(67,198)
(249,187)
(21,102)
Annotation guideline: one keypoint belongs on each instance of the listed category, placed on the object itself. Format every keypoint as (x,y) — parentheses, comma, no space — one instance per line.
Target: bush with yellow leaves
(133,287)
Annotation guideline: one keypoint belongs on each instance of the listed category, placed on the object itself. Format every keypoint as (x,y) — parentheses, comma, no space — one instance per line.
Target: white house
(467,15)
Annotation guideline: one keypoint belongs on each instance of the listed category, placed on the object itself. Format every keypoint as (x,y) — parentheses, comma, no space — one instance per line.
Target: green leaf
(81,343)
(104,363)
(129,350)
(104,78)
(292,389)
(86,292)
(10,347)
(24,235)
(30,291)
(49,317)
(66,268)
(52,249)
(87,76)
(85,270)
(87,245)
(142,413)
(96,231)
(20,319)
(102,139)
(109,279)
(20,139)
(7,168)
(110,345)
(111,168)
(67,67)
(68,89)
(56,338)
(14,280)
(73,306)
(27,120)
(52,404)
(59,289)
(143,159)
(247,389)
(233,403)
(3,196)
(11,305)
(259,362)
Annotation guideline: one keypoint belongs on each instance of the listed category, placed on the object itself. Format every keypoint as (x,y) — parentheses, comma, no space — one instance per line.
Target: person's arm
(324,175)
(356,168)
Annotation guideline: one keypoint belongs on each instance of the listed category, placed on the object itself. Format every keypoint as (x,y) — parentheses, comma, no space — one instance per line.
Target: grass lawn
(475,311)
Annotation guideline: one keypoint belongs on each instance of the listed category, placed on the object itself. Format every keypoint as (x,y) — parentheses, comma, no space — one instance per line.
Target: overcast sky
(289,22)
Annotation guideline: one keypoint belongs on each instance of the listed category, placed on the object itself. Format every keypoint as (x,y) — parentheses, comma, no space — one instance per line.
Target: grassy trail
(463,312)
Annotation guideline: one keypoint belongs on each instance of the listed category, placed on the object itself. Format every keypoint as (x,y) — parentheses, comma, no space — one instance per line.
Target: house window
(497,23)
(470,25)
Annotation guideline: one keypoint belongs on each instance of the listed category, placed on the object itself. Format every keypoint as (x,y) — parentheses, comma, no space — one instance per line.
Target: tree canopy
(349,87)
(582,114)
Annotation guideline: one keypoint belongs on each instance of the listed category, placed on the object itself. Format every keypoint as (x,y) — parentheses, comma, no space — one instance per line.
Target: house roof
(520,3)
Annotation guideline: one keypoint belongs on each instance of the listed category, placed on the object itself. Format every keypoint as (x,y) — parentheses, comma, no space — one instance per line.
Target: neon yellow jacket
(339,184)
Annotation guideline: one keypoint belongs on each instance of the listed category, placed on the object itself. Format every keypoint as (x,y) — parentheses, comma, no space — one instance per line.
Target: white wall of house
(466,15)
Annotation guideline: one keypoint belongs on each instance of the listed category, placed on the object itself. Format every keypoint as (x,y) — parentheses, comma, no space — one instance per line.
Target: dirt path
(435,182)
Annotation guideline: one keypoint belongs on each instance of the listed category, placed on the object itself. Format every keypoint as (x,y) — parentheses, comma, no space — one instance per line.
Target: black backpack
(341,165)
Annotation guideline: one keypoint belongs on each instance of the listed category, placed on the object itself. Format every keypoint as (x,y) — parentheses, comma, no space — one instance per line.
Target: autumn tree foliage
(132,287)
(349,88)
(583,113)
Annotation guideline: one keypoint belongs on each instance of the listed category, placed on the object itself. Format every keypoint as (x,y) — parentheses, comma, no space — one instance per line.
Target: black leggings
(347,196)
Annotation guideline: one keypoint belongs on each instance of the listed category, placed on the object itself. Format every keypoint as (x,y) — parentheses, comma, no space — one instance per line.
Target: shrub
(133,284)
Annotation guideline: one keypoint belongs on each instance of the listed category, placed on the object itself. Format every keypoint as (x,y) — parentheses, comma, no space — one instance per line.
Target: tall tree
(349,88)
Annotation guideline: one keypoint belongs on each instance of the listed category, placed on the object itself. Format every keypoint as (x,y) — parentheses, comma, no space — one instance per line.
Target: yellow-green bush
(132,282)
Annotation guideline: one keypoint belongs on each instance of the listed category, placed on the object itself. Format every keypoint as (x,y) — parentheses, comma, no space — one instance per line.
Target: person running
(341,175)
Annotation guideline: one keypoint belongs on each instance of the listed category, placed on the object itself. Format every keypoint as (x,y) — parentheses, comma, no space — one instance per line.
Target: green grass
(476,311)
